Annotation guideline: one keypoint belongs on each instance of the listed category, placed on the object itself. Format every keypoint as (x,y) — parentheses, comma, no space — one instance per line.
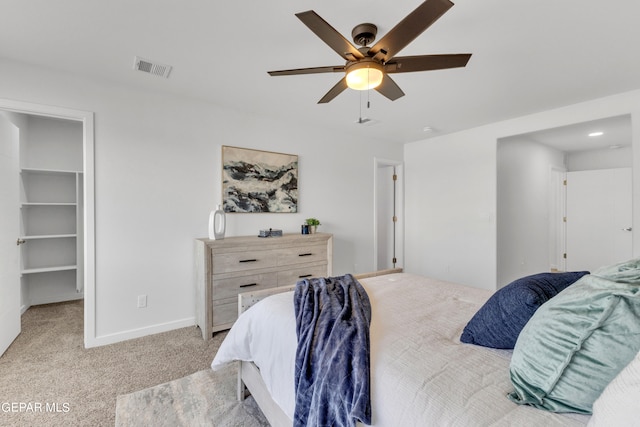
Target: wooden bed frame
(249,379)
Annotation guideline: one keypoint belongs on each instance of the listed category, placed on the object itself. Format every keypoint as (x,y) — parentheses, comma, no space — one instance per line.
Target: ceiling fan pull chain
(368,91)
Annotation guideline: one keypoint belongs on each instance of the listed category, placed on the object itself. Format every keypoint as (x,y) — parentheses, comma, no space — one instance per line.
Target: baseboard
(52,299)
(140,332)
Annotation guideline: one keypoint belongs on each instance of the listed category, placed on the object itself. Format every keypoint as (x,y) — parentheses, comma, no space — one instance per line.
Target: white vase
(217,224)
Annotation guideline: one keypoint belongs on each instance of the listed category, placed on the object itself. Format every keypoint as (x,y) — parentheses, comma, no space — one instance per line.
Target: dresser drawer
(225,313)
(230,288)
(243,261)
(291,277)
(303,254)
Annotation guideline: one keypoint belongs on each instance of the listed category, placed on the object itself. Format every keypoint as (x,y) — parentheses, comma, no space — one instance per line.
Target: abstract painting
(259,181)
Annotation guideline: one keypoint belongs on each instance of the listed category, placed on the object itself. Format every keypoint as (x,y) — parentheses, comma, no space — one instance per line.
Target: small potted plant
(313,224)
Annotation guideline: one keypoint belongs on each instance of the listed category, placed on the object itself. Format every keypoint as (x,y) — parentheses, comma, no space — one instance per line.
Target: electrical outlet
(142,301)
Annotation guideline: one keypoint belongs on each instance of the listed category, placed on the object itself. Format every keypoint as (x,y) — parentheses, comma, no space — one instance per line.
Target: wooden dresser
(232,265)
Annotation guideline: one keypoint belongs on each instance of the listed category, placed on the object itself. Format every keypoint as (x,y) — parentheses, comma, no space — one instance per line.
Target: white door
(557,213)
(385,214)
(9,227)
(389,228)
(599,218)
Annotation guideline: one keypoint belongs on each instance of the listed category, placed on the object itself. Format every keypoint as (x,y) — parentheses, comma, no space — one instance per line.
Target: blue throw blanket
(332,378)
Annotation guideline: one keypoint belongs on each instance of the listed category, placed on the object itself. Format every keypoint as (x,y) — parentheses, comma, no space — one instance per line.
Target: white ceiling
(528,56)
(616,133)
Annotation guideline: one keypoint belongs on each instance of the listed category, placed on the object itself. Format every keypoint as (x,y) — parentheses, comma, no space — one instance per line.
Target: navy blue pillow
(499,321)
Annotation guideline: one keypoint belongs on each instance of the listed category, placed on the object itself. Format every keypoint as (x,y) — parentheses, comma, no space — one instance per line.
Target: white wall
(52,144)
(157,166)
(523,207)
(451,197)
(600,159)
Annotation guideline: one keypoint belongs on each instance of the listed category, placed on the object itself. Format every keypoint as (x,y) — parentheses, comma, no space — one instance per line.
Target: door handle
(20,241)
(627,229)
(248,285)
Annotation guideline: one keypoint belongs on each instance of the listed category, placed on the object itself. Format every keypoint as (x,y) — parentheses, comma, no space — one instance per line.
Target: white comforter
(421,375)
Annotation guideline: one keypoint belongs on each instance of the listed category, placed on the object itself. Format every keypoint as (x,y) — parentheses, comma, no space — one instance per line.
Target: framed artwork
(259,181)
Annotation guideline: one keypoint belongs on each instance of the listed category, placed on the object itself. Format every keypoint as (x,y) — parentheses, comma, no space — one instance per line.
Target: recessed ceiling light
(596,134)
(427,129)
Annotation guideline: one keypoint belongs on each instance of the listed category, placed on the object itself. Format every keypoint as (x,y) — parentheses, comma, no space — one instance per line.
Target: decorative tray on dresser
(226,267)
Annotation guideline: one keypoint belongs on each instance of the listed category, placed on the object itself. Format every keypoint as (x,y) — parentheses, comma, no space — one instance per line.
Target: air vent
(151,67)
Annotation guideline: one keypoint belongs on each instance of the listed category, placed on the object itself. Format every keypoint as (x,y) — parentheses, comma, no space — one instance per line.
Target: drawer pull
(309,254)
(305,275)
(248,260)
(248,285)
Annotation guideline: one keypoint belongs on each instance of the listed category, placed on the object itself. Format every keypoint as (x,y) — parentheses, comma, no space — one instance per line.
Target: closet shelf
(48,171)
(51,207)
(49,236)
(27,204)
(49,269)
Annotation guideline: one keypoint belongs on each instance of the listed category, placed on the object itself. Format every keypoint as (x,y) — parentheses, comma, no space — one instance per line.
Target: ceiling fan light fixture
(367,67)
(364,75)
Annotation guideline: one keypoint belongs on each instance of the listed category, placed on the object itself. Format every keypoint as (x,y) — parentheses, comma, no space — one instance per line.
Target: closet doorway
(53,237)
(533,222)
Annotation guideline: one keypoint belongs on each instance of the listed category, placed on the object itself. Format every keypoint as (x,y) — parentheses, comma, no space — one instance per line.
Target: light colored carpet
(206,398)
(48,364)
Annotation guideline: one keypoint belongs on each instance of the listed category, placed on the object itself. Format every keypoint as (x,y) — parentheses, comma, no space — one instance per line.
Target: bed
(421,374)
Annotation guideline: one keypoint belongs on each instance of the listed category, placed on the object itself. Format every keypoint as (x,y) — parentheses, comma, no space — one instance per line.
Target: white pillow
(618,403)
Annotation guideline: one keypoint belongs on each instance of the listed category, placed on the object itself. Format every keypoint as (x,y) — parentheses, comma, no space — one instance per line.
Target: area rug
(206,398)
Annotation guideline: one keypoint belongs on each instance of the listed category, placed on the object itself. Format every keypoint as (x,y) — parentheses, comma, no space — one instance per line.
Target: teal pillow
(578,341)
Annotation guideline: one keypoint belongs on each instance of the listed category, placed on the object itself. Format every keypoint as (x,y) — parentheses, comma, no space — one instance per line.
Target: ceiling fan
(369,67)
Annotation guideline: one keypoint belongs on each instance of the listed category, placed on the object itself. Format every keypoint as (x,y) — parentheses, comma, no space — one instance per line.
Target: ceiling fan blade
(389,88)
(335,91)
(313,70)
(407,64)
(329,35)
(409,28)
